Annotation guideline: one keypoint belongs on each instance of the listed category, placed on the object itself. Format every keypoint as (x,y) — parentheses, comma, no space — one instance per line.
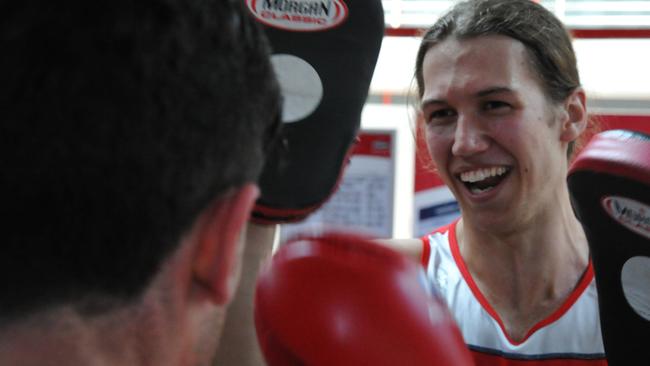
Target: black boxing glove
(610,192)
(324,54)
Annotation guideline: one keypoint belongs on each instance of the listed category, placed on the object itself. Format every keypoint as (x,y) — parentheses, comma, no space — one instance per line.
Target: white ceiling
(575,13)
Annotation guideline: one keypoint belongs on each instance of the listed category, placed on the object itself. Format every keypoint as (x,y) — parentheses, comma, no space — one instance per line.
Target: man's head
(548,44)
(122,122)
(497,120)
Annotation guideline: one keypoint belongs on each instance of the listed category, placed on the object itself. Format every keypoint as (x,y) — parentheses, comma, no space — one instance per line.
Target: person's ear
(218,254)
(574,117)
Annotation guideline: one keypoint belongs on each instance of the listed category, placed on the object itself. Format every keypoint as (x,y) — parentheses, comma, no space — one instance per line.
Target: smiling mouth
(484,179)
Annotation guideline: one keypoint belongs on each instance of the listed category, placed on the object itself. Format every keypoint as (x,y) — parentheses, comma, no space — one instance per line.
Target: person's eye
(440,115)
(496,106)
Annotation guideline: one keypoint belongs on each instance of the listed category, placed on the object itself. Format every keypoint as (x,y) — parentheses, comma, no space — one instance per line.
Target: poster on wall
(434,207)
(363,202)
(433,203)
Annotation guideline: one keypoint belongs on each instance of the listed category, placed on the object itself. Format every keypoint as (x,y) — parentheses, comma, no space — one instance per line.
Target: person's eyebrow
(428,102)
(479,94)
(494,90)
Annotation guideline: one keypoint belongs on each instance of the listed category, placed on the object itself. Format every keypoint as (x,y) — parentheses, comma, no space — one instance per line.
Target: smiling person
(502,108)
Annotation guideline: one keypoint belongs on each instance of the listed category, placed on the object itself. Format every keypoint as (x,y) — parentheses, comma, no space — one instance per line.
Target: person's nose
(469,137)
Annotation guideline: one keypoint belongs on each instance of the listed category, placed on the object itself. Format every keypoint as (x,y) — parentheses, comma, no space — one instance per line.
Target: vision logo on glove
(632,214)
(299,15)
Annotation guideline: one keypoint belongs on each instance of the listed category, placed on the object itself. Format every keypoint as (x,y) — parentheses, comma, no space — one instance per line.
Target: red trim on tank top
(426,252)
(584,282)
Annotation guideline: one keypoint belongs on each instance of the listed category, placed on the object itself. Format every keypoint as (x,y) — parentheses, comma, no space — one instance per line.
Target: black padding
(303,172)
(615,164)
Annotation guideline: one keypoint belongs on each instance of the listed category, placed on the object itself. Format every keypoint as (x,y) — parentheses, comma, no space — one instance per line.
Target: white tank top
(570,336)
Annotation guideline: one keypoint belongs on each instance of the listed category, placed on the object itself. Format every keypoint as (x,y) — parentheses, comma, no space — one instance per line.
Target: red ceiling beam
(611,33)
(577,33)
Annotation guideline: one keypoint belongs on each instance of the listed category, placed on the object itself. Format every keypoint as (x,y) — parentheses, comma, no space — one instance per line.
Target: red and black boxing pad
(610,192)
(341,300)
(324,55)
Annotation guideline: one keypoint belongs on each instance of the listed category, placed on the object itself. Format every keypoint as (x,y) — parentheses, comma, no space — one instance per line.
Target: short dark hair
(547,41)
(121,121)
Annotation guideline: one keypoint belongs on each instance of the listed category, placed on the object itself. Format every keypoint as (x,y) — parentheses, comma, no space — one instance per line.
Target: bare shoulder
(409,247)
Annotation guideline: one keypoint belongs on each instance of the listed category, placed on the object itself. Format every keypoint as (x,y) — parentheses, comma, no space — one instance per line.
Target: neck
(63,337)
(529,270)
(544,242)
(153,330)
(123,335)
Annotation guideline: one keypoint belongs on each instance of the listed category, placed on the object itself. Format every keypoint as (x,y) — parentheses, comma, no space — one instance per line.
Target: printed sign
(632,214)
(434,204)
(363,202)
(299,15)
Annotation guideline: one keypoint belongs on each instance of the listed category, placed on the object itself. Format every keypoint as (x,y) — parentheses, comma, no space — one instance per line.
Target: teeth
(479,190)
(480,174)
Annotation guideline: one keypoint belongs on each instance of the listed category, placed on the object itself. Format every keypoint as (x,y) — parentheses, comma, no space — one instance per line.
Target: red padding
(616,152)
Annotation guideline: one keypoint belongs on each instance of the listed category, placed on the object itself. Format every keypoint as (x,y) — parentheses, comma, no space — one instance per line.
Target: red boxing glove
(341,300)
